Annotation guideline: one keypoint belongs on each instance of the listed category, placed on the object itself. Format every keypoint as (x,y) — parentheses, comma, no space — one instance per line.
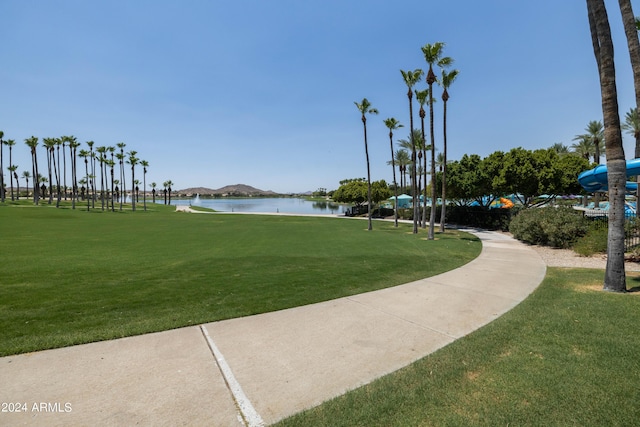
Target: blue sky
(262,93)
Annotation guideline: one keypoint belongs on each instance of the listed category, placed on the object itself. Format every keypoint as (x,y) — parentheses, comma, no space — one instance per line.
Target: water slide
(596,179)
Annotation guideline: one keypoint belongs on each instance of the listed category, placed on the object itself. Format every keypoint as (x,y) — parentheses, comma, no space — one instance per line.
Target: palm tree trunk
(444,162)
(395,184)
(629,22)
(432,218)
(615,279)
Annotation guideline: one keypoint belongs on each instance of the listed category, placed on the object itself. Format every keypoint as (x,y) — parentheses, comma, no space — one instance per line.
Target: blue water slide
(596,179)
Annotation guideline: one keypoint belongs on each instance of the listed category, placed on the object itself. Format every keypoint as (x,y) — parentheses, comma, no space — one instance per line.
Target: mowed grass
(71,276)
(569,355)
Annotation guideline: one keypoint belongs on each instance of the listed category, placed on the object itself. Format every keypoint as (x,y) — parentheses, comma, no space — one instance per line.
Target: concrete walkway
(257,370)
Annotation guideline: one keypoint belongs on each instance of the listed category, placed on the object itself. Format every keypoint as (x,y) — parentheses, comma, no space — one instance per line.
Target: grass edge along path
(567,355)
(72,277)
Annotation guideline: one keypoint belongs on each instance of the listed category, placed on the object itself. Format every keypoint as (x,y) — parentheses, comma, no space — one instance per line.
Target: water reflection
(267,205)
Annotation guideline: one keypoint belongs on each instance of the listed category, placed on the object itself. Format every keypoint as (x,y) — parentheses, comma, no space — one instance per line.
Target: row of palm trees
(98,160)
(433,56)
(591,144)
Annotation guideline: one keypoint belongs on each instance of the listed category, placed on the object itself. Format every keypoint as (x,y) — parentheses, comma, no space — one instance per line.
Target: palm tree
(433,56)
(411,78)
(58,143)
(169,184)
(365,108)
(145,165)
(121,158)
(15,176)
(64,140)
(137,188)
(92,182)
(393,124)
(421,96)
(73,147)
(26,175)
(1,168)
(560,148)
(632,126)
(582,148)
(102,158)
(33,143)
(133,161)
(12,172)
(49,145)
(153,191)
(595,131)
(447,79)
(615,278)
(110,164)
(631,32)
(10,143)
(164,185)
(403,160)
(85,155)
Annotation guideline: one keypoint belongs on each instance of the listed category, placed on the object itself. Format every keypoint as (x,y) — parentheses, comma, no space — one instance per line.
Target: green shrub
(595,241)
(557,227)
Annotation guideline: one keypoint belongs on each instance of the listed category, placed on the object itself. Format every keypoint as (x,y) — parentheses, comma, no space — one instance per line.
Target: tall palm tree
(10,143)
(1,168)
(145,165)
(393,124)
(633,44)
(411,78)
(121,158)
(32,143)
(615,278)
(169,184)
(12,172)
(584,146)
(421,96)
(85,155)
(433,56)
(595,131)
(49,146)
(101,159)
(364,108)
(403,160)
(632,126)
(58,143)
(73,148)
(64,140)
(92,182)
(133,161)
(448,77)
(15,176)
(26,175)
(153,191)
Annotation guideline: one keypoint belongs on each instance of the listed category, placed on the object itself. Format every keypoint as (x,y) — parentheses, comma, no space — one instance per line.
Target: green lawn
(569,355)
(71,276)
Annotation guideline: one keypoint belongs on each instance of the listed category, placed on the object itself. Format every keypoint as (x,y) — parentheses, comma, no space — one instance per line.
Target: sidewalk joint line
(247,411)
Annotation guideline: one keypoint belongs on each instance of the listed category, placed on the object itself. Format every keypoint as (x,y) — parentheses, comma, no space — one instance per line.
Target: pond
(289,205)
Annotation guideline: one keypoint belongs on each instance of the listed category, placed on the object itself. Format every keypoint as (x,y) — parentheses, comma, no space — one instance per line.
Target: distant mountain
(228,190)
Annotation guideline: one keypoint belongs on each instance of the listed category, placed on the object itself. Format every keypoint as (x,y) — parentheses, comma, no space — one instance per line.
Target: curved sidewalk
(259,369)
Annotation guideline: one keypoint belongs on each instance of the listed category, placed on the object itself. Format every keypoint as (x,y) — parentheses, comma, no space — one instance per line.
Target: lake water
(267,205)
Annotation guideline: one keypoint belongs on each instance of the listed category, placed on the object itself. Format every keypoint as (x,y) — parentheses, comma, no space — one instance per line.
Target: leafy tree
(364,108)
